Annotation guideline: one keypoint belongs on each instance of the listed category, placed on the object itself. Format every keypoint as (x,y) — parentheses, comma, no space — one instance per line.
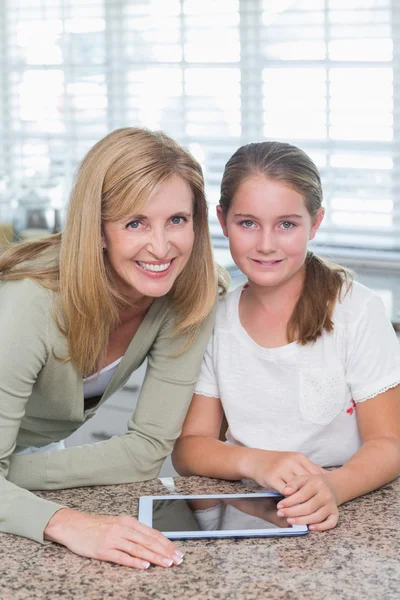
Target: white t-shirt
(302,398)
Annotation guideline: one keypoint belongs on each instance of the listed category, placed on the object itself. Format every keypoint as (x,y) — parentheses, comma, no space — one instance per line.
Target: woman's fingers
(126,560)
(151,538)
(150,548)
(138,551)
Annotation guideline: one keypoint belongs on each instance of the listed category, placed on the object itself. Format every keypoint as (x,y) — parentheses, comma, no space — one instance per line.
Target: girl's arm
(314,500)
(378,460)
(372,365)
(199,452)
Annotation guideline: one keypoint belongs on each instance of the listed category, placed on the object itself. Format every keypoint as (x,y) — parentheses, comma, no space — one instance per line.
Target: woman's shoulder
(24,294)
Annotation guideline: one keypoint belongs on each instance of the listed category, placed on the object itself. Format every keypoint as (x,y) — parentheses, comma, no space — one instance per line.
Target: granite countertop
(359,559)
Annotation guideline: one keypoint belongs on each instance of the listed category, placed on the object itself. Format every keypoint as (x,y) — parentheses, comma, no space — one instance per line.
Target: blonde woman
(130,278)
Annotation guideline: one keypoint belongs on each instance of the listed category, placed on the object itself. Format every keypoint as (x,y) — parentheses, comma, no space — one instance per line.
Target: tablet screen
(222,514)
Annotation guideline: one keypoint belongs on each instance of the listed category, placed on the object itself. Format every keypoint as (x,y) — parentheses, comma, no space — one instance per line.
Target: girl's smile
(269,227)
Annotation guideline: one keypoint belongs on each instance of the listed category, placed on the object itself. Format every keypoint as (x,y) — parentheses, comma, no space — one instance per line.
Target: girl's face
(269,226)
(148,251)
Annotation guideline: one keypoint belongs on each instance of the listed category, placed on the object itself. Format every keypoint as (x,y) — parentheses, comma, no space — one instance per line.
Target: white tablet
(217,516)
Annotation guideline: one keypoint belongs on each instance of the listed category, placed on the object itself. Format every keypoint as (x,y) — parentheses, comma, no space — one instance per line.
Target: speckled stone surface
(359,559)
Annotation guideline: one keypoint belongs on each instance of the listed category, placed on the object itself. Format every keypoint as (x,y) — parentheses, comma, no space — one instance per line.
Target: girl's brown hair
(324,280)
(115,179)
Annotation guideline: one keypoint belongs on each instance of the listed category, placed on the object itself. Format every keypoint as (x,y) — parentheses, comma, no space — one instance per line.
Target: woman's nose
(159,244)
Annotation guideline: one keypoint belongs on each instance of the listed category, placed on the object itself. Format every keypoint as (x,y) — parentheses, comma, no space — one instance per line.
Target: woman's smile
(147,251)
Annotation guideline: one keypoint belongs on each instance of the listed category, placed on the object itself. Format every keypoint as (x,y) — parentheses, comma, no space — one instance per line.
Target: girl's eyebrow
(246,216)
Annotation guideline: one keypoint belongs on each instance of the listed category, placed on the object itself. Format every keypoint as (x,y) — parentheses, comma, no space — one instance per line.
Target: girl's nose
(266,243)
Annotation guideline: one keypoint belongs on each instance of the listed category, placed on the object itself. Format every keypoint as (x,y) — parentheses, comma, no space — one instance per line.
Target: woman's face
(148,250)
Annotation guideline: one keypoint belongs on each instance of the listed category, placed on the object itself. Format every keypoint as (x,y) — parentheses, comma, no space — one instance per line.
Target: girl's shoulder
(355,299)
(227,308)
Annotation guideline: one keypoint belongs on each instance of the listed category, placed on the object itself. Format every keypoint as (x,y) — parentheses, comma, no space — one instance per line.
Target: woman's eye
(133,225)
(288,225)
(247,224)
(178,220)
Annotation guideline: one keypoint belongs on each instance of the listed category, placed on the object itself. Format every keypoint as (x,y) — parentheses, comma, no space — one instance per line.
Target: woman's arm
(199,452)
(152,429)
(24,319)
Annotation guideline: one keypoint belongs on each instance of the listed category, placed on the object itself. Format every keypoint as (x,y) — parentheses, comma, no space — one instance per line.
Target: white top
(302,398)
(96,384)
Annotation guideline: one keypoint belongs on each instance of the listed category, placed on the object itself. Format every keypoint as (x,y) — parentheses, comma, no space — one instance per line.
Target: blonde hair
(116,178)
(324,280)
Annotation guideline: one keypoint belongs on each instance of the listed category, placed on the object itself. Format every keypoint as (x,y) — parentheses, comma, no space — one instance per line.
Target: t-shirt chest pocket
(322,394)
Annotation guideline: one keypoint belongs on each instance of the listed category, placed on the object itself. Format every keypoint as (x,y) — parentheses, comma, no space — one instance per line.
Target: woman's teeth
(154,268)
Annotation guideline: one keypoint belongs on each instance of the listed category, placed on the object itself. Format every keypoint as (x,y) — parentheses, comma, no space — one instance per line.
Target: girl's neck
(264,312)
(282,296)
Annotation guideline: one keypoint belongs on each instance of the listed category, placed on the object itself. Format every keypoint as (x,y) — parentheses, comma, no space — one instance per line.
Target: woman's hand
(275,469)
(122,540)
(310,500)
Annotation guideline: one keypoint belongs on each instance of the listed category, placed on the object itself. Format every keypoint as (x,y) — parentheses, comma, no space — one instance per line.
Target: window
(322,74)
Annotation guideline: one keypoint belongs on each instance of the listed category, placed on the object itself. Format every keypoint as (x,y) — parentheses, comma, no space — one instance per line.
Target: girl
(79,312)
(303,362)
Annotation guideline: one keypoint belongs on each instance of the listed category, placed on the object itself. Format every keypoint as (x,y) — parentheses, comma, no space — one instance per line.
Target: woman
(131,277)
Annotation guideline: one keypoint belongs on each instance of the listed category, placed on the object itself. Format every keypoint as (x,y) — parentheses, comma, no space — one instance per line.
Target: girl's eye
(178,220)
(133,225)
(287,225)
(247,224)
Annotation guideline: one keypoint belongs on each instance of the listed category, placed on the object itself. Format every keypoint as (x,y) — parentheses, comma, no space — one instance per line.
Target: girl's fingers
(293,488)
(316,517)
(310,467)
(300,510)
(329,523)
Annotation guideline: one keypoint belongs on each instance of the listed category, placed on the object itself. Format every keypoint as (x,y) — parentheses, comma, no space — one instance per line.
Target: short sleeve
(207,382)
(373,364)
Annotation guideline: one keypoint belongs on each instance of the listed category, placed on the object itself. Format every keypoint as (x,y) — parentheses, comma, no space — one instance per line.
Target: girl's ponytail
(323,284)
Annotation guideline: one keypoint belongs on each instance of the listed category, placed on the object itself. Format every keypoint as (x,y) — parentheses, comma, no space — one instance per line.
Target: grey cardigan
(41,401)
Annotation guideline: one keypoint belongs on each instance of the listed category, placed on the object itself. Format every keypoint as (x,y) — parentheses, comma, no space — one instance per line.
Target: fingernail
(281,513)
(179,562)
(287,489)
(311,527)
(178,554)
(167,562)
(280,505)
(145,564)
(291,521)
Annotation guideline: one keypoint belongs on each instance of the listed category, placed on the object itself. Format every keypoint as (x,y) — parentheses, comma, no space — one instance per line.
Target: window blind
(322,74)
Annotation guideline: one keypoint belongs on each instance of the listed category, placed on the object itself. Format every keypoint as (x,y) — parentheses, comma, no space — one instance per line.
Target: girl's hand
(121,540)
(310,500)
(275,469)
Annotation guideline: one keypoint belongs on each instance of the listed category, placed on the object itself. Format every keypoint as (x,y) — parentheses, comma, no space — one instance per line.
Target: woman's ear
(222,220)
(317,222)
